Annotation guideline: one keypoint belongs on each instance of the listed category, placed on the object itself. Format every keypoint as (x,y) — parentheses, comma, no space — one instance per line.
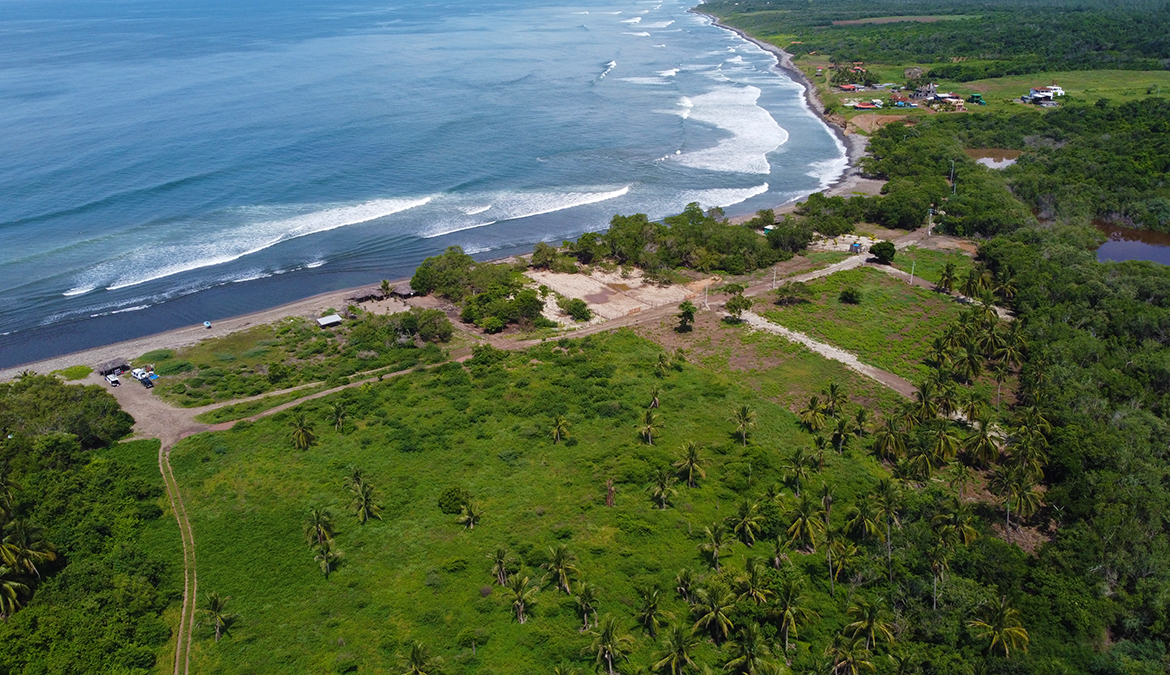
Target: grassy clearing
(238,411)
(928,263)
(74,373)
(898,19)
(891,328)
(419,576)
(1086,85)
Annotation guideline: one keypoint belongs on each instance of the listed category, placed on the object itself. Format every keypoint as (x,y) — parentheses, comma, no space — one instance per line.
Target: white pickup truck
(142,376)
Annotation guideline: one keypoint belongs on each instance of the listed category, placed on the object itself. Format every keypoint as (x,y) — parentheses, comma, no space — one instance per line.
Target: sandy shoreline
(849,182)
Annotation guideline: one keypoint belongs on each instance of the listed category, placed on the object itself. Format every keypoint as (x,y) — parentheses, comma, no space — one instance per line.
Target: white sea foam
(252,276)
(829,170)
(723,196)
(149,262)
(646,80)
(608,67)
(735,59)
(669,73)
(640,34)
(660,24)
(659,45)
(315,264)
(472,210)
(754,132)
(636,19)
(516,205)
(80,290)
(580,12)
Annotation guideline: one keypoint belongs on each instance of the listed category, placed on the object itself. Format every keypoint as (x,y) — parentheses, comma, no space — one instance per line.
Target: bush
(850,295)
(884,251)
(174,368)
(575,308)
(492,324)
(156,355)
(453,499)
(74,372)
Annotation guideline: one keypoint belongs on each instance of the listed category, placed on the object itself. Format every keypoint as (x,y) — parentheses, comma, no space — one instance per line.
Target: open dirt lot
(611,295)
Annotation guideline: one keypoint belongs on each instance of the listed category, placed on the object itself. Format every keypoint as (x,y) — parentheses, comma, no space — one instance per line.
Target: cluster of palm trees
(23,548)
(559,572)
(826,412)
(320,527)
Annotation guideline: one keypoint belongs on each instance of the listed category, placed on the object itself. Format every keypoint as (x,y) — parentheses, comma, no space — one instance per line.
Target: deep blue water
(162,163)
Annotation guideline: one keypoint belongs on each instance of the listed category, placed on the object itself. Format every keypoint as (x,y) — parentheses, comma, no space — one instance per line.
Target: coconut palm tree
(944,444)
(869,620)
(1000,623)
(691,463)
(12,592)
(1001,371)
(501,561)
(302,434)
(835,398)
(974,282)
(925,403)
(560,428)
(844,555)
(363,504)
(319,526)
(796,467)
(609,644)
(887,501)
(649,426)
(649,614)
(655,393)
(781,546)
(712,611)
(418,661)
(661,487)
(754,584)
(469,516)
(791,610)
(1003,483)
(24,546)
(327,556)
(807,523)
(841,434)
(747,651)
(980,446)
(337,415)
(684,584)
(586,600)
(662,367)
(888,443)
(1004,285)
(813,415)
(523,593)
(948,277)
(561,566)
(938,557)
(675,656)
(861,520)
(747,521)
(861,423)
(850,657)
(716,541)
(215,612)
(744,419)
(954,524)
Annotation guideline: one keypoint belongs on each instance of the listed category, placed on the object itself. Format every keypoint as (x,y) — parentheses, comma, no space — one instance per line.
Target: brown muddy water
(1127,244)
(995,158)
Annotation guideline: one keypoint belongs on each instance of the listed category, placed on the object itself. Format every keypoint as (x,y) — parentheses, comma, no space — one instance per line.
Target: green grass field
(928,263)
(417,575)
(891,328)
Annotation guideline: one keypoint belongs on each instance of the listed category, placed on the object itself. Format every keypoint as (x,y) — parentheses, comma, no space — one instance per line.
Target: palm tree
(944,444)
(938,556)
(841,433)
(780,548)
(684,584)
(356,476)
(850,657)
(523,594)
(1012,351)
(747,651)
(418,661)
(973,282)
(1002,484)
(469,516)
(791,610)
(946,280)
(586,600)
(215,613)
(888,443)
(11,592)
(302,434)
(663,366)
(869,620)
(716,542)
(806,522)
(744,419)
(861,519)
(1004,285)
(797,467)
(649,615)
(675,656)
(887,501)
(609,645)
(500,563)
(954,524)
(844,554)
(560,428)
(24,546)
(327,556)
(561,566)
(980,446)
(655,393)
(691,463)
(754,583)
(747,521)
(860,422)
(813,415)
(820,445)
(925,403)
(318,525)
(337,415)
(649,426)
(712,610)
(1001,371)
(385,288)
(1001,623)
(661,488)
(835,398)
(363,503)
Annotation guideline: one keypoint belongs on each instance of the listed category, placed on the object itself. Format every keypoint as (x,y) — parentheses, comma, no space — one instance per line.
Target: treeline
(78,592)
(1000,38)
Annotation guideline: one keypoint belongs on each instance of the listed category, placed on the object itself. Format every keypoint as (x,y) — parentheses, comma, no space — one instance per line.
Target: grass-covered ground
(417,575)
(890,328)
(929,263)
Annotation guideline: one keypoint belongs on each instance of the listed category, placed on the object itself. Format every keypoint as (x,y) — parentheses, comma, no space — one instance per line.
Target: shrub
(575,308)
(174,368)
(492,324)
(75,372)
(156,355)
(453,499)
(884,251)
(850,295)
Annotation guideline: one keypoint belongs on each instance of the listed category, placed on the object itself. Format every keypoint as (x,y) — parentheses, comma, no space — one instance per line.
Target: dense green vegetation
(993,38)
(86,559)
(295,352)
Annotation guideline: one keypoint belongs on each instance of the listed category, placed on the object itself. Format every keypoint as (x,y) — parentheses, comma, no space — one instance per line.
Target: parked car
(147,383)
(113,380)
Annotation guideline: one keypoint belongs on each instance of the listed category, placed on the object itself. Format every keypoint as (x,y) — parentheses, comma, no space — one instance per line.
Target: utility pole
(929,220)
(952,176)
(773,278)
(705,305)
(913,263)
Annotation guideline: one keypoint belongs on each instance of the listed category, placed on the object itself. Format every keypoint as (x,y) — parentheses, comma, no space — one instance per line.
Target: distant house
(403,290)
(925,92)
(114,367)
(364,295)
(848,87)
(865,105)
(329,321)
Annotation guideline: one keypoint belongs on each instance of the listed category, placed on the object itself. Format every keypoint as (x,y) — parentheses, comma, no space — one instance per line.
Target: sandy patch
(843,242)
(611,295)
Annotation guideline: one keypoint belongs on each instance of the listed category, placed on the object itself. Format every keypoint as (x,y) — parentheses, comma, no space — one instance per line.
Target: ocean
(163,163)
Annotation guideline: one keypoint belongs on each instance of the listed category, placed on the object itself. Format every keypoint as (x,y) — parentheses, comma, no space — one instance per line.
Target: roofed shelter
(329,321)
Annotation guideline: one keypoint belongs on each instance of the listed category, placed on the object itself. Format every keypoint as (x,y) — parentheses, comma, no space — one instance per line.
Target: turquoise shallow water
(164,163)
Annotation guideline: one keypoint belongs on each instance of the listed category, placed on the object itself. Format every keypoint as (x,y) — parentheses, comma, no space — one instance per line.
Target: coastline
(849,182)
